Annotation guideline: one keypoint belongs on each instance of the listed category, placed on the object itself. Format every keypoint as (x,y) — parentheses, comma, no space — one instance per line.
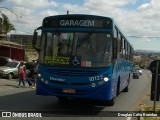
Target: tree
(5,25)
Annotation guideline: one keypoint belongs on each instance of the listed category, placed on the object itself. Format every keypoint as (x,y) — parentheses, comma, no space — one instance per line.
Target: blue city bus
(82,56)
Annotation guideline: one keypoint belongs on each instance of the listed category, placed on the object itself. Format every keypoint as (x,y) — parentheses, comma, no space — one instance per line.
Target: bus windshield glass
(75,49)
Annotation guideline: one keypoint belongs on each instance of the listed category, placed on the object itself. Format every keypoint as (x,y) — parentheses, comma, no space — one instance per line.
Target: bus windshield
(75,49)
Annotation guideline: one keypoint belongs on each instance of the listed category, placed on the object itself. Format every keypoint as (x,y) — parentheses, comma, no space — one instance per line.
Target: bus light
(42,79)
(39,75)
(106,79)
(93,85)
(46,82)
(101,82)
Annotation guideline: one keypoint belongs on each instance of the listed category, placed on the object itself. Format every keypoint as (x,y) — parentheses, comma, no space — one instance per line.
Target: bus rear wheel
(118,88)
(126,89)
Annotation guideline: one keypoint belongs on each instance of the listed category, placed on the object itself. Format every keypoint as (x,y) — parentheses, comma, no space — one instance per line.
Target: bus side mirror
(34,38)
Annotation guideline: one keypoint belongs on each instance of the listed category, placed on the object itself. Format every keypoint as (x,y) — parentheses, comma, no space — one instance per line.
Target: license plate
(68,90)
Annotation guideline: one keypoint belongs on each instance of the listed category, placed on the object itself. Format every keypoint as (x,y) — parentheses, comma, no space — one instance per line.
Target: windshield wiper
(68,45)
(73,44)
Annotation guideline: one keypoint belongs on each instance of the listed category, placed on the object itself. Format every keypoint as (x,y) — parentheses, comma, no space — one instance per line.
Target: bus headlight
(39,75)
(106,79)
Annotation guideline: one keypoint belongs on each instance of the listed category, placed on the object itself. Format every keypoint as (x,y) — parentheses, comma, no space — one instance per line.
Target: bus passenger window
(115,48)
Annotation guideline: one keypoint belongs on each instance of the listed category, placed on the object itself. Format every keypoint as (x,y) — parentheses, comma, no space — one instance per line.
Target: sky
(139,20)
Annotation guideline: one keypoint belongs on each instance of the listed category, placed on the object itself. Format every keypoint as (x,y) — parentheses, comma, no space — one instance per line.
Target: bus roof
(78,15)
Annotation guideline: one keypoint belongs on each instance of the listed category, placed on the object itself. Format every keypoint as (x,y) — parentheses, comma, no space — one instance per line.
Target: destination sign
(92,22)
(89,23)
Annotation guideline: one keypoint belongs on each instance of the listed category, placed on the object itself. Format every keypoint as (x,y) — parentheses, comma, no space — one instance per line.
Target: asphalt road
(24,99)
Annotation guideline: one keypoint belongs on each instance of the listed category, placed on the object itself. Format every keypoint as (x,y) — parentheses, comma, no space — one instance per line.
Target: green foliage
(7,26)
(150,108)
(151,118)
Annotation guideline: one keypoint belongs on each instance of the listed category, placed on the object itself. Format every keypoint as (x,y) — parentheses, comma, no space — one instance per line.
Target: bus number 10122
(96,78)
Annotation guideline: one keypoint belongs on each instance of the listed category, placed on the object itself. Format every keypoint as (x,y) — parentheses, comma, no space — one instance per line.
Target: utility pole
(155,84)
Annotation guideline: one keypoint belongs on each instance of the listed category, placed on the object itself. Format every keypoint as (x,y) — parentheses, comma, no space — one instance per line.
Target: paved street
(10,87)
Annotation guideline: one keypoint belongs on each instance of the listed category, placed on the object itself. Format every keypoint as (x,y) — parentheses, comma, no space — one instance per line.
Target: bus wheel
(125,89)
(112,101)
(118,88)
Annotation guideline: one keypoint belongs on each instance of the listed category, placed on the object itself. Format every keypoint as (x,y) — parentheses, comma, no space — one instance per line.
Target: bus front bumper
(102,92)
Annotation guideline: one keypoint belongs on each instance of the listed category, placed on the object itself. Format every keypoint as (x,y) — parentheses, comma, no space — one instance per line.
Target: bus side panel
(121,74)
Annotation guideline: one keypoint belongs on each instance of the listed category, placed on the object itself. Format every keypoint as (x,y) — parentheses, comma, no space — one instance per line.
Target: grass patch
(149,109)
(151,118)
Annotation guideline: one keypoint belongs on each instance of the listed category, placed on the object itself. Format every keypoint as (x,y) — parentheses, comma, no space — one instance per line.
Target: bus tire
(118,87)
(126,89)
(112,101)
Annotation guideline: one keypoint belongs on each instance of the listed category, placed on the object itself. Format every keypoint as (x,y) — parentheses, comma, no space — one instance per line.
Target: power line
(21,28)
(25,16)
(134,36)
(24,31)
(18,12)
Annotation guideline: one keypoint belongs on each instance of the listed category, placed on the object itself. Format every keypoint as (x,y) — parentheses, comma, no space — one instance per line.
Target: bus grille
(65,72)
(66,83)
